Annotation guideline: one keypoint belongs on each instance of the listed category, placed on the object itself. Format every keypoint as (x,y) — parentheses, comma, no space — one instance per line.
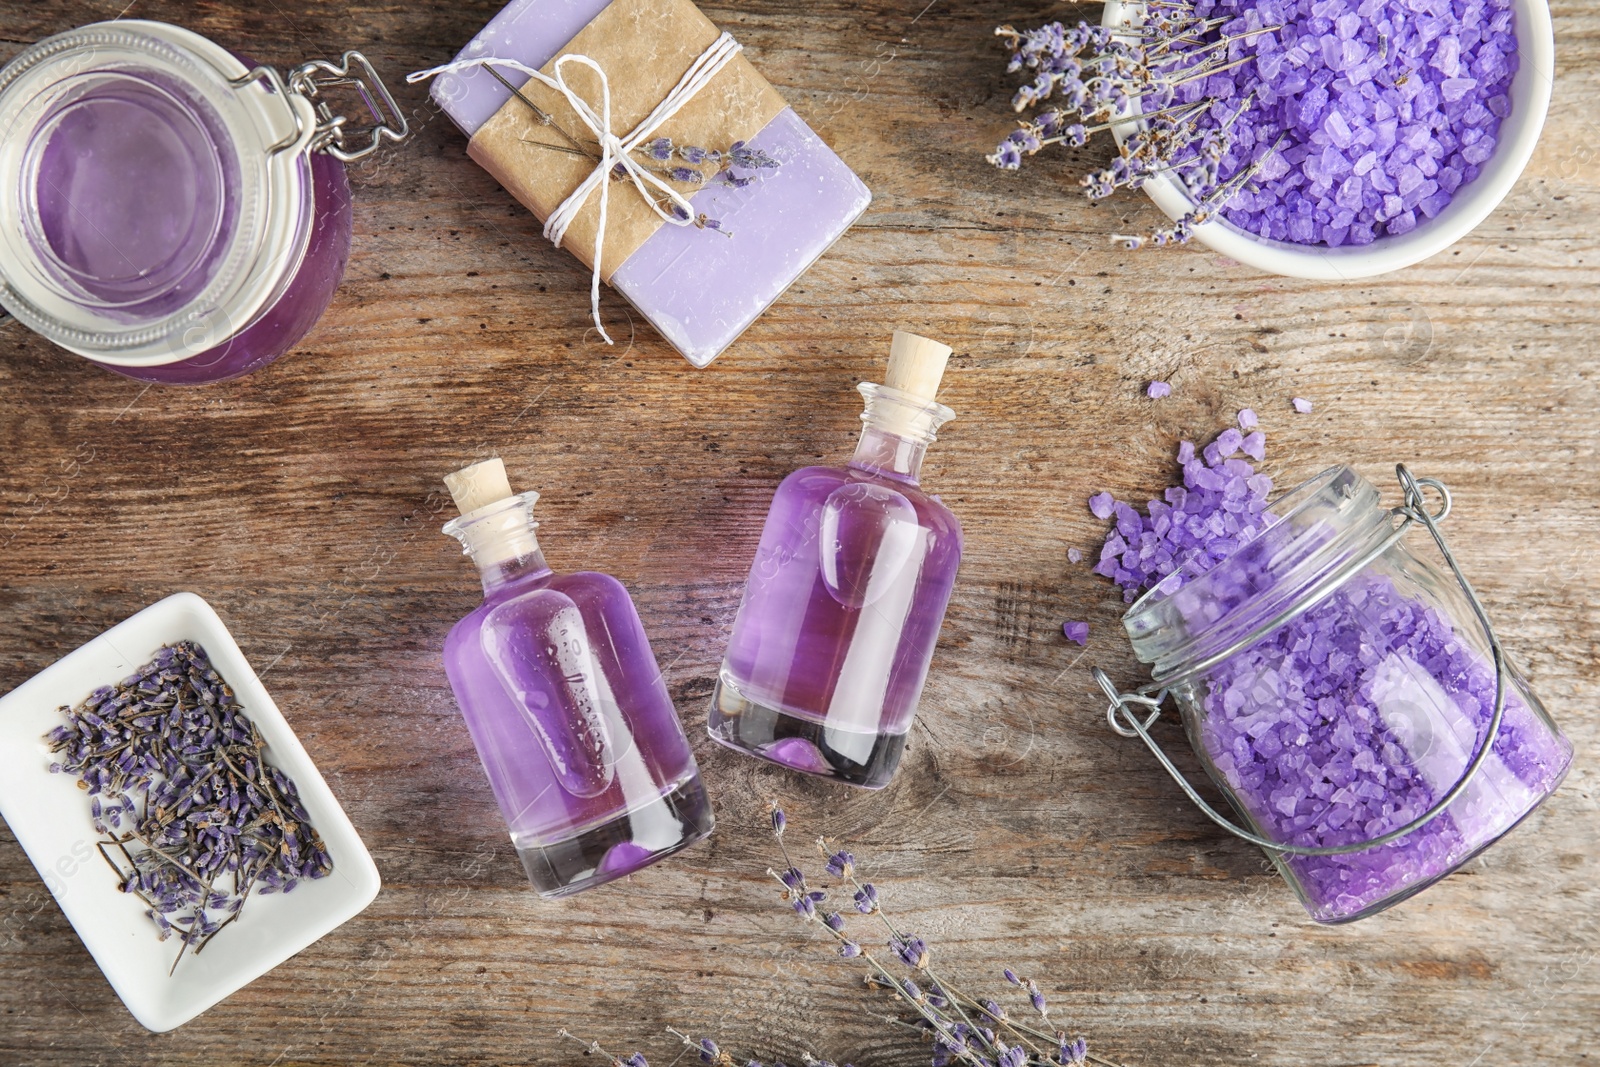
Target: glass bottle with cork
(566,705)
(834,636)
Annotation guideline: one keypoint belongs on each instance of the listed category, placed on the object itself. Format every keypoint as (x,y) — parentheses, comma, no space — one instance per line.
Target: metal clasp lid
(1149,698)
(332,133)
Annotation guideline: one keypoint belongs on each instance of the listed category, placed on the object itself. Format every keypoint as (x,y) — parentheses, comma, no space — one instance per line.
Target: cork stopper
(915,365)
(494,525)
(479,485)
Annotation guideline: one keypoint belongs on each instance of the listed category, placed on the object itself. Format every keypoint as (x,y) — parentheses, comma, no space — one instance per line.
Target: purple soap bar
(699,288)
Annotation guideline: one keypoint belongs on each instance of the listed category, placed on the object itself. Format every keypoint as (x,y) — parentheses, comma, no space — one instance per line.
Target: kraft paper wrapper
(644,46)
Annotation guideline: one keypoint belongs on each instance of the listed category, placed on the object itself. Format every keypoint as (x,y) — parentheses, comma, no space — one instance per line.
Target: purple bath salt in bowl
(1360,118)
(1335,686)
(1360,136)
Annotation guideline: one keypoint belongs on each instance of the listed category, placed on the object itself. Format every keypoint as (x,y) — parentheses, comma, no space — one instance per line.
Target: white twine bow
(614,151)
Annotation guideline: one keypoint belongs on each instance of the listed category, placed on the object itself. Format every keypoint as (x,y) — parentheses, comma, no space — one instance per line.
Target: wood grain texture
(303,502)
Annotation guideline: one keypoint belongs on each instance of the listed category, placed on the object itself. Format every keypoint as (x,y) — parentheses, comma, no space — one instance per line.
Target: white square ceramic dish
(49,815)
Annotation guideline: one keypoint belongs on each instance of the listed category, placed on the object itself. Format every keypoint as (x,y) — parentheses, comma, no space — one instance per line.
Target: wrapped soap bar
(700,284)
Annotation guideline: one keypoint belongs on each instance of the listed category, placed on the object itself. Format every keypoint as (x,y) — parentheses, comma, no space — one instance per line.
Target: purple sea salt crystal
(1373,708)
(1077,632)
(1157,390)
(1302,405)
(1247,420)
(1181,535)
(1335,99)
(1074,555)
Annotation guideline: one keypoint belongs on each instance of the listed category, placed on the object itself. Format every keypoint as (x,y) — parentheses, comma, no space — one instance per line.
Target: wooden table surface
(303,502)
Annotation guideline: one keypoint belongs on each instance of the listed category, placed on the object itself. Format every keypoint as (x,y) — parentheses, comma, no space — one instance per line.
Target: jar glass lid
(140,167)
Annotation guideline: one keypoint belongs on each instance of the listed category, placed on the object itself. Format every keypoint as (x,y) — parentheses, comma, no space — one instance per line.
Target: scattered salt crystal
(1157,390)
(1101,505)
(1219,504)
(1076,631)
(1301,404)
(1075,555)
(1247,419)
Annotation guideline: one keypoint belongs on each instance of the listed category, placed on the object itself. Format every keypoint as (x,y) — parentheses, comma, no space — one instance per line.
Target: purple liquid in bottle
(832,642)
(569,712)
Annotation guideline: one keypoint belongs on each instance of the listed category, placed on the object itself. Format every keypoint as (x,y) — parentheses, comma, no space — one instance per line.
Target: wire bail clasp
(333,134)
(316,127)
(1119,704)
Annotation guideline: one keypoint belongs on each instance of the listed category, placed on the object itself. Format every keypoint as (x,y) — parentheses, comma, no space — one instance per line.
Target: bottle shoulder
(815,485)
(590,585)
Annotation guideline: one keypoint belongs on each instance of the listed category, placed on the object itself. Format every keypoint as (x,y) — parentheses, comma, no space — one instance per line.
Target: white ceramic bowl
(1472,203)
(49,815)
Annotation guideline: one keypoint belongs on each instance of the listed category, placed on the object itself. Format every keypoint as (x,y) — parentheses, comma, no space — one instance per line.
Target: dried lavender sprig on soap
(194,817)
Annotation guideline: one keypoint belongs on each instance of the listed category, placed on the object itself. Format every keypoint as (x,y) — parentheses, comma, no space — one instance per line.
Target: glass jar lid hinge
(332,132)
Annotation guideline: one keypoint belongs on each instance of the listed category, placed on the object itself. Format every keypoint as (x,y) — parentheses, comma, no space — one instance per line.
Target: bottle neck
(884,452)
(899,428)
(510,575)
(501,540)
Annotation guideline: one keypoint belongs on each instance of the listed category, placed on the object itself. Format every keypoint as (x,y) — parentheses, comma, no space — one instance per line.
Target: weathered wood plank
(302,502)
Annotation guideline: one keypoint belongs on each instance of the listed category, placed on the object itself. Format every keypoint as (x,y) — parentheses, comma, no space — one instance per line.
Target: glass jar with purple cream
(170,210)
(1350,698)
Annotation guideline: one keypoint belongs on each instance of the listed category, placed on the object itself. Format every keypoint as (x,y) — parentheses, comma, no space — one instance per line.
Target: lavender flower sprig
(1096,74)
(194,817)
(699,166)
(709,1052)
(964,1029)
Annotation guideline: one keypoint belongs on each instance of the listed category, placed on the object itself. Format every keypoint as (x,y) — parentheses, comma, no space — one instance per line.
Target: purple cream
(566,705)
(698,288)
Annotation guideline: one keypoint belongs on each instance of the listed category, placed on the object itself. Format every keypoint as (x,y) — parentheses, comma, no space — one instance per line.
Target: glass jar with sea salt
(169,210)
(1349,698)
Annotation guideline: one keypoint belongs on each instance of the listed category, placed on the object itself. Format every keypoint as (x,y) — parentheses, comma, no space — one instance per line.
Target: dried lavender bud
(867,898)
(841,864)
(912,950)
(193,815)
(1313,121)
